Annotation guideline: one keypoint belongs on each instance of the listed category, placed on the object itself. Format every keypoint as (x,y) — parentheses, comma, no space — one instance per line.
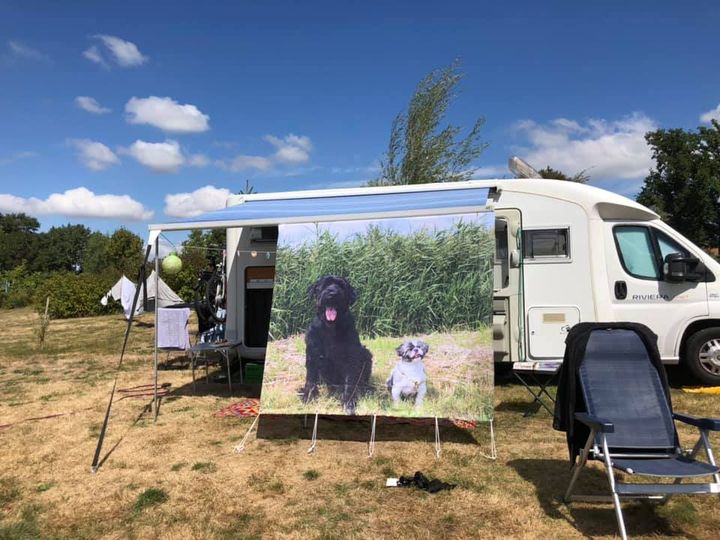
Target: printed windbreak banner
(389,317)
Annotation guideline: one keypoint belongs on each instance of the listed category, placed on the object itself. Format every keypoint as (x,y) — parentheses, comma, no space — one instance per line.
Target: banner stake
(371,446)
(314,435)
(438,449)
(241,445)
(493,447)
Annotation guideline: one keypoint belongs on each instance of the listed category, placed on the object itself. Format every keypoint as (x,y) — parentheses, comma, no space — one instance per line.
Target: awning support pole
(155,359)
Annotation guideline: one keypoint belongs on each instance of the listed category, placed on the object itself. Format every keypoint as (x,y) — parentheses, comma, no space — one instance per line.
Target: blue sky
(125,113)
(343,231)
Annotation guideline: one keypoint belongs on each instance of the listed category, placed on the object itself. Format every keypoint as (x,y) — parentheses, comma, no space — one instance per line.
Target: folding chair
(538,375)
(632,425)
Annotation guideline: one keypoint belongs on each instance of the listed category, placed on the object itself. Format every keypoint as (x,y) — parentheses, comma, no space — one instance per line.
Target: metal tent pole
(155,359)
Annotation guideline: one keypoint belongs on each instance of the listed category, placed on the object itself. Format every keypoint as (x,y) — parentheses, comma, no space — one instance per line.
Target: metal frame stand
(540,376)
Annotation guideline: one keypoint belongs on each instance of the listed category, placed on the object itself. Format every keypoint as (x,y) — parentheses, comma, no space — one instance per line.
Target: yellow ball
(172,264)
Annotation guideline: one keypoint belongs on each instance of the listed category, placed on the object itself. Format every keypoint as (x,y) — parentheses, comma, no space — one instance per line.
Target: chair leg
(227,361)
(192,367)
(708,452)
(619,516)
(575,473)
(615,497)
(578,466)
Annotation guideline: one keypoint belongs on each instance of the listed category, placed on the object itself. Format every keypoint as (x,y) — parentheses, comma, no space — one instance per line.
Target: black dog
(334,355)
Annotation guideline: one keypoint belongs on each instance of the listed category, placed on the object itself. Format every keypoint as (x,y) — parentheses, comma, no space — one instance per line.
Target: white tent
(166,296)
(124,291)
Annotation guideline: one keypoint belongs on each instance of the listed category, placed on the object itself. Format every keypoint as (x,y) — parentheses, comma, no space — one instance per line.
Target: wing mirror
(677,268)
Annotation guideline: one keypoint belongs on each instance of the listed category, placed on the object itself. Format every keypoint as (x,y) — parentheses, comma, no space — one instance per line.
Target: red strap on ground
(142,390)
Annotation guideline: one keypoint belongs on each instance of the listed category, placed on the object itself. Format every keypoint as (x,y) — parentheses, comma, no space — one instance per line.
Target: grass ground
(179,478)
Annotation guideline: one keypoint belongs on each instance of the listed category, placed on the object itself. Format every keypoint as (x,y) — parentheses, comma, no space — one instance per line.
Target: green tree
(248,189)
(554,174)
(125,252)
(62,248)
(95,260)
(18,240)
(420,151)
(200,250)
(685,183)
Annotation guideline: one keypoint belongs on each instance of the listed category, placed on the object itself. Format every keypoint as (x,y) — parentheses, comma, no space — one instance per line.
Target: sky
(128,113)
(344,231)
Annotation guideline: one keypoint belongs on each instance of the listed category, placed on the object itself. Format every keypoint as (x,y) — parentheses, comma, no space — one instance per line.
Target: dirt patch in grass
(274,489)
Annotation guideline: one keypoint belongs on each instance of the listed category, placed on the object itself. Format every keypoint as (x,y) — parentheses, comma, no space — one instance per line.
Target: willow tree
(420,151)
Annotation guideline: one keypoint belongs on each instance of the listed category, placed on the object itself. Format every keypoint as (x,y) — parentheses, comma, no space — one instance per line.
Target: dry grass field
(179,477)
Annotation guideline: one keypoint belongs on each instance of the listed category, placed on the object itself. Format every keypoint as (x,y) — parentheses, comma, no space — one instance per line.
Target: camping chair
(212,347)
(632,425)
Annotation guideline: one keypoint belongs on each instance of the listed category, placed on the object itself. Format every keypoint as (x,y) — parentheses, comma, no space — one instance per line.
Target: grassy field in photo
(459,369)
(179,477)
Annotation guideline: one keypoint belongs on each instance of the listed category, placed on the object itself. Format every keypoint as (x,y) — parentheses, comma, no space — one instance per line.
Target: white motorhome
(565,253)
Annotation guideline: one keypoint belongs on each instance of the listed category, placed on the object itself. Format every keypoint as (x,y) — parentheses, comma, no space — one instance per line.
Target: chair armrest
(713,424)
(593,422)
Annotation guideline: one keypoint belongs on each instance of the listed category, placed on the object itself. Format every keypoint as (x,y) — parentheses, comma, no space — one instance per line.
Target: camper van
(565,253)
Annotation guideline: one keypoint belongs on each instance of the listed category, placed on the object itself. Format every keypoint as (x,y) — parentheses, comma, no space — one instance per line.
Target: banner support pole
(155,357)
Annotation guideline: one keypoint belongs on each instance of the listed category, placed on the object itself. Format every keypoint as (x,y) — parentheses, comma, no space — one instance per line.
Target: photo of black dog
(334,355)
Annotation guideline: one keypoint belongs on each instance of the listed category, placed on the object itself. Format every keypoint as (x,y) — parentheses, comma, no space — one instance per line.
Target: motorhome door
(507,299)
(634,255)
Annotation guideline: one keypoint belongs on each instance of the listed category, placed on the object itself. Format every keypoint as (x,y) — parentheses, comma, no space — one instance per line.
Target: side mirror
(678,268)
(514,259)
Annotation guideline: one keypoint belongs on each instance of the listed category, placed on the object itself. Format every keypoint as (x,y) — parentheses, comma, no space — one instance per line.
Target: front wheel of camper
(703,356)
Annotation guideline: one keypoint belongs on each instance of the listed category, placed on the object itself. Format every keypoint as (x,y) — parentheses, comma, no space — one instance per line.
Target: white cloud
(17,156)
(124,53)
(165,248)
(201,200)
(490,171)
(94,155)
(607,150)
(20,51)
(164,157)
(709,116)
(93,54)
(291,149)
(243,162)
(78,202)
(166,114)
(198,160)
(90,105)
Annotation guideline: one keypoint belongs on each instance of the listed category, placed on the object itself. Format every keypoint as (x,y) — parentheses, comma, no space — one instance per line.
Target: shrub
(74,295)
(18,286)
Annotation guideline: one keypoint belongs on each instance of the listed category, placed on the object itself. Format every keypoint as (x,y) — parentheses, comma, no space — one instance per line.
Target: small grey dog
(408,376)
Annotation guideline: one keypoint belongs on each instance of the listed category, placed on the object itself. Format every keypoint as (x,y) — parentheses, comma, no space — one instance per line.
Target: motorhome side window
(546,243)
(643,249)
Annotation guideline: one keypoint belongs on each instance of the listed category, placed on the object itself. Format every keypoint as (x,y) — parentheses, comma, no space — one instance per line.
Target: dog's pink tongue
(330,314)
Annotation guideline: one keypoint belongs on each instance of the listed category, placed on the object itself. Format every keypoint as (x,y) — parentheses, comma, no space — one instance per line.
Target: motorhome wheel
(703,356)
